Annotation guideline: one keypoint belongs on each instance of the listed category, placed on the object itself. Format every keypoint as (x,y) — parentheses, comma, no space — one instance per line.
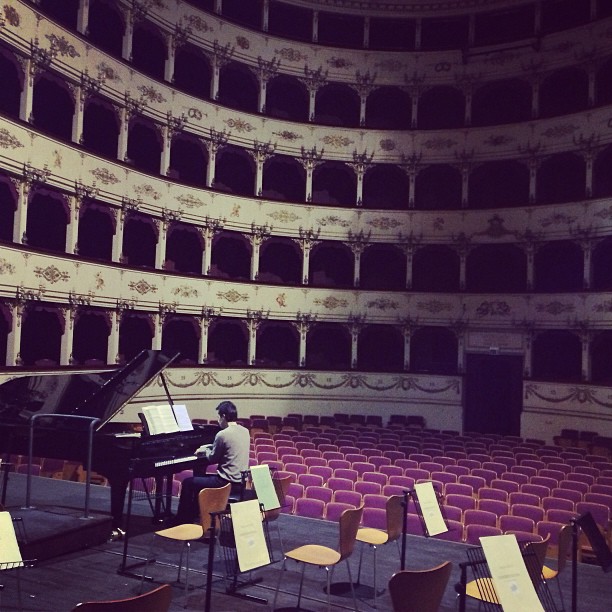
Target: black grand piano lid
(98,395)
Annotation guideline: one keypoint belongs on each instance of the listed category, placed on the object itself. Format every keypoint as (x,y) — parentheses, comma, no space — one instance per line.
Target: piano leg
(118,489)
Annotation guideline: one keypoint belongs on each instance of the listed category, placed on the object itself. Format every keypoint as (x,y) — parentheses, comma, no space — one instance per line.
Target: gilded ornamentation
(233,296)
(6,267)
(434,306)
(287,135)
(498,140)
(335,140)
(195,113)
(333,220)
(51,274)
(557,219)
(190,201)
(331,302)
(235,210)
(143,287)
(8,141)
(387,144)
(62,45)
(496,228)
(243,42)
(107,73)
(197,23)
(384,223)
(57,158)
(281,300)
(11,15)
(291,55)
(605,306)
(561,130)
(148,191)
(185,291)
(437,144)
(438,223)
(105,176)
(582,395)
(390,65)
(383,304)
(99,281)
(283,216)
(240,125)
(150,94)
(493,308)
(555,308)
(339,62)
(604,213)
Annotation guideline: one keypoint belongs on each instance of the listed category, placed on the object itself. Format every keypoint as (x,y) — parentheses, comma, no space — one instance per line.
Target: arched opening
(328,347)
(144,146)
(139,241)
(41,337)
(90,340)
(238,88)
(235,171)
(64,12)
(106,27)
(181,335)
(100,128)
(556,355)
(96,232)
(496,268)
(337,104)
(380,348)
(135,335)
(192,71)
(188,160)
(602,174)
(148,50)
(284,178)
(52,107)
(383,267)
(603,84)
(278,345)
(601,358)
(334,183)
(388,108)
(441,107)
(230,256)
(502,102)
(8,205)
(385,186)
(184,249)
(47,222)
(280,261)
(228,343)
(564,92)
(435,268)
(499,184)
(438,187)
(558,266)
(5,328)
(601,262)
(434,350)
(287,98)
(561,178)
(10,77)
(331,265)
(340,30)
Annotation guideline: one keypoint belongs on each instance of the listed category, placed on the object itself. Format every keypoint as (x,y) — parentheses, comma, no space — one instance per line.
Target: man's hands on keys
(203,449)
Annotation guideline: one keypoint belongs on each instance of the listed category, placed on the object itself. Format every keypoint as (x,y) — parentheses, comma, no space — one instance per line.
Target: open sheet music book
(164,419)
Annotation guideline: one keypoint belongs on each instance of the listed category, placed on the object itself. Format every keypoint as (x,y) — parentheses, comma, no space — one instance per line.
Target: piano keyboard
(175,460)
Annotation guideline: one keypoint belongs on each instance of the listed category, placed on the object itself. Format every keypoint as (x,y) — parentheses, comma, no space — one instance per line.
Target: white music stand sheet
(264,487)
(511,580)
(10,554)
(251,547)
(430,508)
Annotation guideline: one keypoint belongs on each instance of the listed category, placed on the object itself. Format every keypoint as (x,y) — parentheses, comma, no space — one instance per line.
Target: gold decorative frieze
(383,304)
(337,141)
(439,143)
(558,218)
(555,308)
(561,130)
(150,94)
(6,267)
(291,55)
(104,176)
(147,191)
(333,220)
(8,141)
(384,223)
(62,46)
(107,73)
(240,125)
(198,24)
(51,274)
(283,216)
(331,302)
(99,282)
(580,395)
(233,296)
(243,42)
(143,287)
(281,300)
(339,62)
(387,144)
(493,308)
(190,201)
(605,306)
(287,135)
(434,306)
(497,140)
(185,291)
(11,15)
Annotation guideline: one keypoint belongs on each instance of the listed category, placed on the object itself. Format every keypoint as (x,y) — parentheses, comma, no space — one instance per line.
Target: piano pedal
(116,535)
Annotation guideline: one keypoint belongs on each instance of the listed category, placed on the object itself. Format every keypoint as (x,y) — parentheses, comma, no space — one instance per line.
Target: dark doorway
(493,394)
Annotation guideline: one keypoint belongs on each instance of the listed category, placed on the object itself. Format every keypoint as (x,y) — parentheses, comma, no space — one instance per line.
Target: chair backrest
(564,543)
(212,500)
(281,486)
(395,517)
(419,591)
(157,600)
(349,525)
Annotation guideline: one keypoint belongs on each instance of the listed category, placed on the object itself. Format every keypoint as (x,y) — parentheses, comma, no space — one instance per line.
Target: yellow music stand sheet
(251,546)
(9,549)
(430,508)
(511,580)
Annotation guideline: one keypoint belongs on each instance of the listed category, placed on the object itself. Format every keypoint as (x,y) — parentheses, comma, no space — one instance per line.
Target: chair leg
(302,584)
(149,555)
(359,568)
(374,547)
(280,577)
(187,567)
(328,589)
(348,565)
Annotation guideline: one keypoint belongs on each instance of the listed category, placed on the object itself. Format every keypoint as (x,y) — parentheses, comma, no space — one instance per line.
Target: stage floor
(60,583)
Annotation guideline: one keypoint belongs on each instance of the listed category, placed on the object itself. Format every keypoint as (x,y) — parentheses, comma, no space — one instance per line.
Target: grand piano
(53,400)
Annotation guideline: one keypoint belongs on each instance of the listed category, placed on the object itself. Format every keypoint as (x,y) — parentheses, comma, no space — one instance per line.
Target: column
(357,243)
(128,35)
(585,338)
(265,71)
(592,78)
(112,350)
(471,29)
(260,153)
(13,340)
(366,33)
(530,250)
(587,251)
(206,318)
(313,80)
(407,326)
(533,163)
(310,160)
(414,84)
(213,144)
(408,245)
(462,246)
(418,33)
(464,163)
(265,15)
(364,86)
(158,319)
(254,319)
(208,230)
(127,205)
(77,117)
(21,212)
(171,44)
(535,96)
(303,323)
(361,162)
(308,239)
(460,327)
(164,160)
(27,93)
(83,17)
(160,247)
(68,335)
(355,323)
(257,236)
(221,56)
(411,165)
(72,230)
(315,26)
(528,334)
(124,126)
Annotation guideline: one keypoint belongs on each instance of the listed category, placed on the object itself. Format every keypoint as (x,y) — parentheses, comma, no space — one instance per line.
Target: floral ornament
(239,125)
(197,23)
(335,140)
(287,135)
(333,220)
(561,130)
(291,55)
(11,15)
(62,45)
(555,308)
(493,308)
(107,73)
(6,267)
(235,210)
(331,302)
(104,176)
(387,144)
(8,141)
(150,94)
(498,140)
(190,201)
(339,62)
(281,300)
(384,223)
(185,291)
(142,287)
(233,296)
(435,144)
(243,42)
(383,304)
(51,274)
(434,306)
(147,191)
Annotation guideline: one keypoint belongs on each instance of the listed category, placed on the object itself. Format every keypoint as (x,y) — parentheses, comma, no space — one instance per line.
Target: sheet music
(511,580)
(264,487)
(251,546)
(430,508)
(9,549)
(160,419)
(182,417)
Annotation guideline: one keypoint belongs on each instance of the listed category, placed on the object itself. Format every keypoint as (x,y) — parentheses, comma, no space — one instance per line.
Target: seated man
(230,451)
